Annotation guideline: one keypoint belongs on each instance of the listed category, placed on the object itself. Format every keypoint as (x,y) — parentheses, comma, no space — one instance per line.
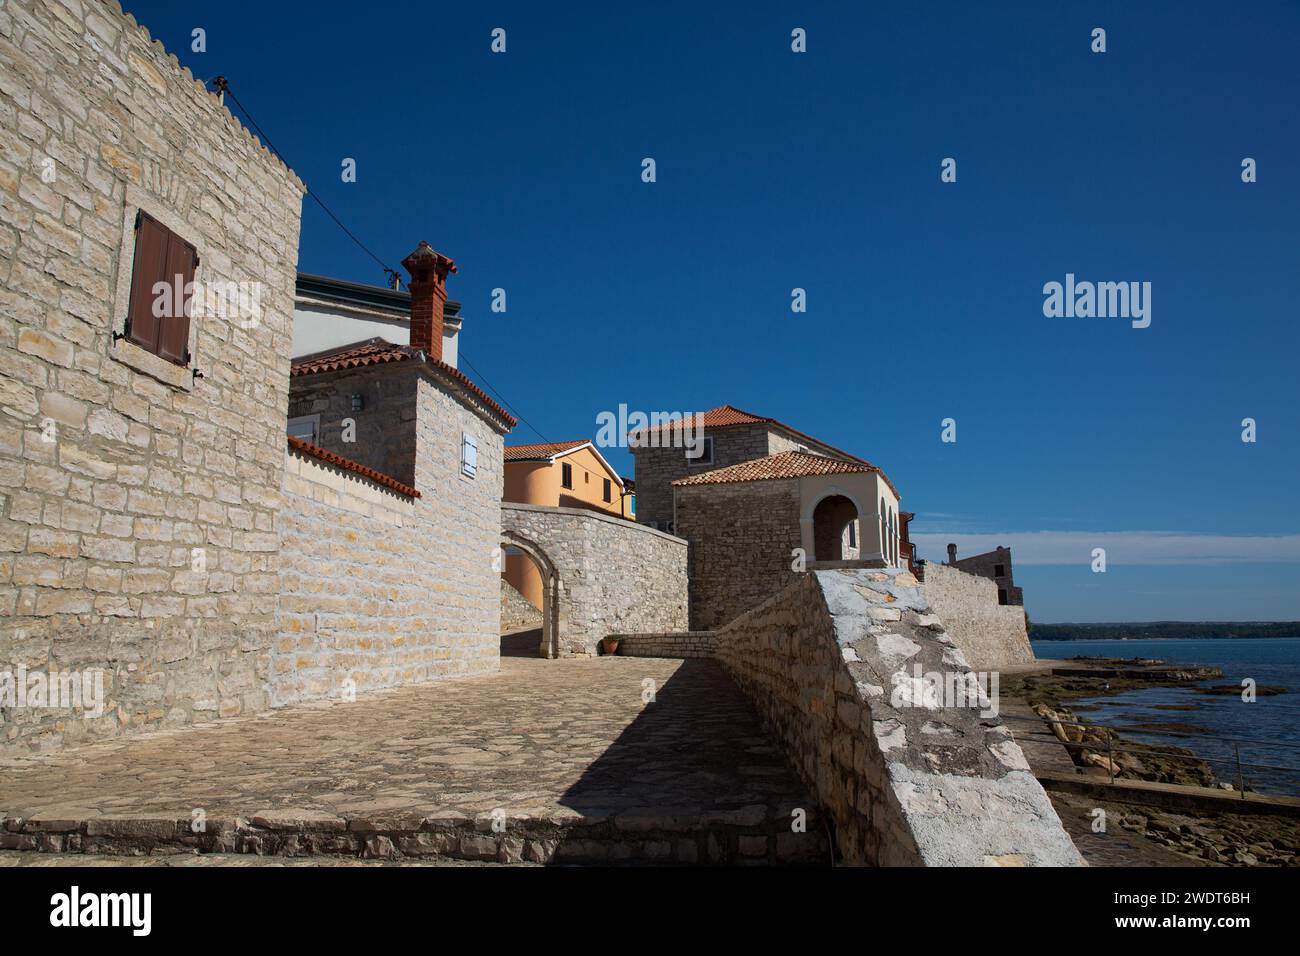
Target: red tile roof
(370,352)
(542,450)
(788,464)
(725,416)
(378,351)
(307,448)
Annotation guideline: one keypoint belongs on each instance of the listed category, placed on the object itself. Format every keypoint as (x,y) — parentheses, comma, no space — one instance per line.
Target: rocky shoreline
(1103,749)
(1214,839)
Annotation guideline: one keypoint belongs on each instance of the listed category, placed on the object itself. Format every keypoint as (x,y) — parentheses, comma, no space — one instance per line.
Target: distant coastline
(1163,630)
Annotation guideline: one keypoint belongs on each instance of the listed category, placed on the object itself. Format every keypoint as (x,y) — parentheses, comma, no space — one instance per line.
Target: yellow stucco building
(565,474)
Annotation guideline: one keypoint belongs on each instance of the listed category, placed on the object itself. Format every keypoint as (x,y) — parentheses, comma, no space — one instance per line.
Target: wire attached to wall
(222,85)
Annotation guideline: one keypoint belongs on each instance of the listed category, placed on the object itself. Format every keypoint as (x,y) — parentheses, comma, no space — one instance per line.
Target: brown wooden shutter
(174,337)
(149,267)
(160,256)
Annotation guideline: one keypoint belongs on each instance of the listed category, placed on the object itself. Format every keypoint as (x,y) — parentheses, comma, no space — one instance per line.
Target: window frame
(173,244)
(705,457)
(120,348)
(468,455)
(313,420)
(566,476)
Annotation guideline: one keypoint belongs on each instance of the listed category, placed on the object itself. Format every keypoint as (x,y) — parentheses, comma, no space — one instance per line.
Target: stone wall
(614,576)
(987,565)
(908,776)
(378,589)
(516,613)
(658,468)
(990,635)
(675,644)
(741,536)
(137,499)
(382,433)
(437,611)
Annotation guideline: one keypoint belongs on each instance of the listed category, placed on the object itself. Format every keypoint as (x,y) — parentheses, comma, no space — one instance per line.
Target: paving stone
(566,749)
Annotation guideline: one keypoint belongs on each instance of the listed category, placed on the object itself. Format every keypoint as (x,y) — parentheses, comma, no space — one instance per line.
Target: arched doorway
(548,588)
(831,528)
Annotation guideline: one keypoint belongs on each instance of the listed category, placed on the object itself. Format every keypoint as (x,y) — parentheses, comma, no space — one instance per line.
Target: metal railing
(1111,749)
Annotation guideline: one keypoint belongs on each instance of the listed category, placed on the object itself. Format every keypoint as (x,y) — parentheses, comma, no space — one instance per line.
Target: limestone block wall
(988,564)
(363,600)
(382,433)
(516,613)
(990,635)
(138,500)
(462,521)
(847,669)
(741,540)
(676,644)
(658,468)
(615,576)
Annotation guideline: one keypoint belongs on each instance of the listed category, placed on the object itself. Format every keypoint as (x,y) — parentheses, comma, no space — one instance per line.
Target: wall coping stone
(909,778)
(590,513)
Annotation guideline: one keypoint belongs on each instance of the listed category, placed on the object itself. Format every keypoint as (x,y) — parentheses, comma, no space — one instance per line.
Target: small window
(853,534)
(306,427)
(608,491)
(999,570)
(1002,595)
(700,453)
(566,475)
(468,455)
(162,281)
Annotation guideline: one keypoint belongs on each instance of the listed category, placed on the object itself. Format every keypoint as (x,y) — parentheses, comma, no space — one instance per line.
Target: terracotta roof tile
(370,352)
(725,416)
(307,448)
(788,464)
(377,351)
(541,450)
(719,417)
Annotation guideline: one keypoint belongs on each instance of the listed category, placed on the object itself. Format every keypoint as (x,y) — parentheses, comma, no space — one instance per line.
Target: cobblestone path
(550,741)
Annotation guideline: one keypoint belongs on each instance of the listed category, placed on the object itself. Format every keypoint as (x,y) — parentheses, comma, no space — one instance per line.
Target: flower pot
(610,644)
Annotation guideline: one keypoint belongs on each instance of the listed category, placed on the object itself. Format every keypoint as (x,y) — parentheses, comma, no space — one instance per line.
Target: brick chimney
(428,271)
(952,554)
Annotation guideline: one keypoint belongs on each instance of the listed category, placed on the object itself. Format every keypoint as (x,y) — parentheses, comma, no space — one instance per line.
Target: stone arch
(552,588)
(830,517)
(810,505)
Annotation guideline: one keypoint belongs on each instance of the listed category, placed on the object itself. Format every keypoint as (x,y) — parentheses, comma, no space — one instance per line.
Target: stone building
(391,517)
(158,529)
(572,474)
(141,453)
(995,564)
(754,527)
(728,436)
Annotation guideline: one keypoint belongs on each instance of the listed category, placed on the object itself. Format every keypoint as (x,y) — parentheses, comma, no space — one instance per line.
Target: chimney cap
(426,259)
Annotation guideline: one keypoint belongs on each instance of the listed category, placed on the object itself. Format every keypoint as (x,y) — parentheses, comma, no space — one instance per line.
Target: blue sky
(778,170)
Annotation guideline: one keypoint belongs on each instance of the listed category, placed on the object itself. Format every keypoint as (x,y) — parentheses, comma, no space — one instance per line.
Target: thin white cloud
(1122,547)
